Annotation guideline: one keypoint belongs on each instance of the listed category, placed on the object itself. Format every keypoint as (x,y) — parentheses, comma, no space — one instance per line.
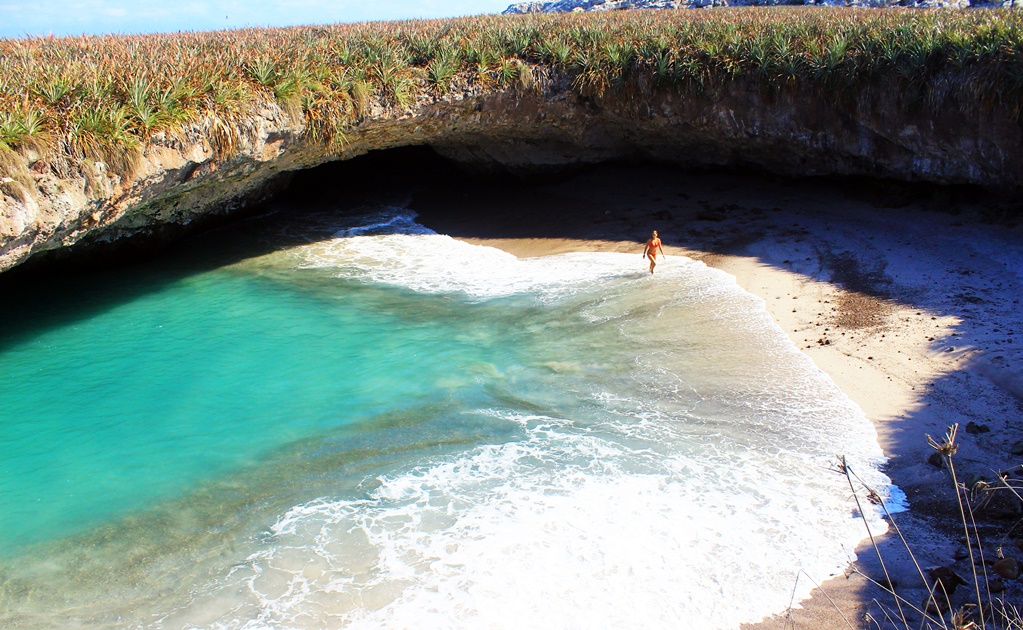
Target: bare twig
(817,586)
(983,564)
(894,524)
(926,617)
(844,468)
(948,448)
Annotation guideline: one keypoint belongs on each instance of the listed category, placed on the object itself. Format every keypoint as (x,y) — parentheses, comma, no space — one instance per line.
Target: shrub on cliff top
(102,97)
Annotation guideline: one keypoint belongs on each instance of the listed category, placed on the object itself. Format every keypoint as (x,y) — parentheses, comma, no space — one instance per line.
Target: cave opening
(609,201)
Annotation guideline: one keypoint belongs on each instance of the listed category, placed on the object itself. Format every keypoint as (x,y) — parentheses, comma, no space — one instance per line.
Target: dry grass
(983,608)
(103,98)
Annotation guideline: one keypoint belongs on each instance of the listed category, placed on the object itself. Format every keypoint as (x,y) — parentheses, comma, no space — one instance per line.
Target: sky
(22,18)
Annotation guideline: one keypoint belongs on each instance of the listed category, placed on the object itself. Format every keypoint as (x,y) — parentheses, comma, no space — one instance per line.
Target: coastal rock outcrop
(181,180)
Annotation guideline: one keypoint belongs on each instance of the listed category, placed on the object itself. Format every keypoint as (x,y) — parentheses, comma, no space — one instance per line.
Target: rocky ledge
(540,125)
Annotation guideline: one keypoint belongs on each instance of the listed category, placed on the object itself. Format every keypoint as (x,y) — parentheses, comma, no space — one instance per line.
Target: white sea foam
(560,531)
(674,496)
(395,250)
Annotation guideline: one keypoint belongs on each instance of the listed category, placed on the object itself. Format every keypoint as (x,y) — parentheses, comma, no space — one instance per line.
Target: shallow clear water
(384,427)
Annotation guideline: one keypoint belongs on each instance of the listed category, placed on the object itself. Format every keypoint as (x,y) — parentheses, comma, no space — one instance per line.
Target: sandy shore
(908,299)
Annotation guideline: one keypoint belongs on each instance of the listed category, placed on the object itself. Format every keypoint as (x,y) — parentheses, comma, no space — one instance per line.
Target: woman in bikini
(653,246)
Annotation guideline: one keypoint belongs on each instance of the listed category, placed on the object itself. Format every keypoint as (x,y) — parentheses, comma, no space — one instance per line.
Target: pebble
(947,580)
(976,429)
(1008,568)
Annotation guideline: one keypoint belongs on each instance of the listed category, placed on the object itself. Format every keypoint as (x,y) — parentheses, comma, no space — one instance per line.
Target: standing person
(653,246)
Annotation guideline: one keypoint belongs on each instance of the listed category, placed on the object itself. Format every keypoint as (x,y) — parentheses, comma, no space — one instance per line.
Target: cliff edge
(538,108)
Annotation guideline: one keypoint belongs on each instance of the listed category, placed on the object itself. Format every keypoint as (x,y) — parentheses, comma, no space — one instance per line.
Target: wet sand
(907,297)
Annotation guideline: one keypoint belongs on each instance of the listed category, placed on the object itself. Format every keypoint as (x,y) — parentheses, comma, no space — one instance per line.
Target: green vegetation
(103,98)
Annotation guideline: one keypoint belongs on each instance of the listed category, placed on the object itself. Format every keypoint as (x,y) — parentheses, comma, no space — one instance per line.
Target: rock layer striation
(182,180)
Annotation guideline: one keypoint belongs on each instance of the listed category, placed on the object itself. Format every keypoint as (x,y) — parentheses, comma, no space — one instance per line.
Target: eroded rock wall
(182,179)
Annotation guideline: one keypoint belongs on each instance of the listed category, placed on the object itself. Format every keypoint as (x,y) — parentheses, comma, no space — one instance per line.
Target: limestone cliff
(181,179)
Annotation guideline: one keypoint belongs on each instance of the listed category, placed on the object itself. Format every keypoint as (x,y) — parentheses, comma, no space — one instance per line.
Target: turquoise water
(145,399)
(354,422)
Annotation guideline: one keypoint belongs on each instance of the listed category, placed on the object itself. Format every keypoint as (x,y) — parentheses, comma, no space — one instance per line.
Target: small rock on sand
(1008,568)
(976,429)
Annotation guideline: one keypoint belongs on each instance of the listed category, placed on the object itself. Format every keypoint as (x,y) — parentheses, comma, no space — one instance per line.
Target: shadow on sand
(940,253)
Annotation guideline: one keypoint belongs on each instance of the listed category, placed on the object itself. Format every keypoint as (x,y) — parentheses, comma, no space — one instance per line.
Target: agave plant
(332,76)
(442,69)
(263,71)
(23,128)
